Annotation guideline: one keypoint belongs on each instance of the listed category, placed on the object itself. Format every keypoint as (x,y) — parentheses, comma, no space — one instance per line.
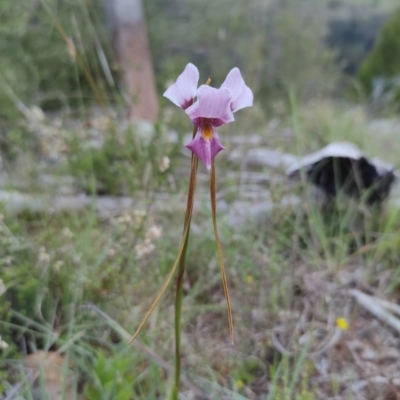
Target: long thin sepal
(178,299)
(180,259)
(219,248)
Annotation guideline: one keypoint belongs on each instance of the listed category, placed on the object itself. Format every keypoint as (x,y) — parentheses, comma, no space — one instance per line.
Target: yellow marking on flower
(207,132)
(342,324)
(239,384)
(249,279)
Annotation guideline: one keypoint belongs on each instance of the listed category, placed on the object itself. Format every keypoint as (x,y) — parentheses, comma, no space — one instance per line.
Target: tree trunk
(127,24)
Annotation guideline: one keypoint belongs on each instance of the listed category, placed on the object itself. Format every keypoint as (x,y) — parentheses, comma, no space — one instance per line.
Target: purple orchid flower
(213,108)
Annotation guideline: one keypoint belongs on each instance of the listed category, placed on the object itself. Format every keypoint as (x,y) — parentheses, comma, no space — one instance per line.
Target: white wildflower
(139,216)
(139,213)
(71,49)
(43,255)
(124,219)
(66,232)
(37,113)
(143,249)
(154,232)
(3,344)
(57,265)
(164,164)
(8,260)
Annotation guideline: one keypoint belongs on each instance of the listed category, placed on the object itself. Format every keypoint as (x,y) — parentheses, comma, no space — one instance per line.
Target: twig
(389,305)
(374,307)
(278,345)
(330,341)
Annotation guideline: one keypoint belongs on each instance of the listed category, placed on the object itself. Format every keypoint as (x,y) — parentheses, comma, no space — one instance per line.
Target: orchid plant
(208,108)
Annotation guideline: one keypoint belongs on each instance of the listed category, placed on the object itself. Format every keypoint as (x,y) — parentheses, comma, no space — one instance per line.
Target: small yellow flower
(249,279)
(342,324)
(239,384)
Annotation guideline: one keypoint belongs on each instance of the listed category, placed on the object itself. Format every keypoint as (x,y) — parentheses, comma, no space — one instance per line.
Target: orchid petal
(183,91)
(205,149)
(242,96)
(212,104)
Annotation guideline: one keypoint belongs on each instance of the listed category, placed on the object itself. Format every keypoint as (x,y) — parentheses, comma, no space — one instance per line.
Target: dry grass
(291,272)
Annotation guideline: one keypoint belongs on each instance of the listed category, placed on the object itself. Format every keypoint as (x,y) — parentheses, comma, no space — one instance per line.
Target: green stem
(178,314)
(181,271)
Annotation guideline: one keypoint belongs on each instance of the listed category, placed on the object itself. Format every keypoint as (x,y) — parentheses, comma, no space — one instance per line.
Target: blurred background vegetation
(280,45)
(320,71)
(58,55)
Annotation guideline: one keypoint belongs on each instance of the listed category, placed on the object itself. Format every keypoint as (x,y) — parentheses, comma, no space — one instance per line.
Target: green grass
(381,5)
(77,283)
(60,268)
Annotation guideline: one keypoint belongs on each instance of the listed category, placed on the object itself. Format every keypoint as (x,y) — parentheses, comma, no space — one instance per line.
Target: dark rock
(341,167)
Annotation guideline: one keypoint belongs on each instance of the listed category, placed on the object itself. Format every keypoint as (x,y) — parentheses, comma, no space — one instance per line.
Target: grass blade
(165,286)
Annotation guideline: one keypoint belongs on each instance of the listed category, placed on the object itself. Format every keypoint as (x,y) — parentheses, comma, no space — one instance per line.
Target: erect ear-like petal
(183,91)
(213,104)
(205,149)
(242,96)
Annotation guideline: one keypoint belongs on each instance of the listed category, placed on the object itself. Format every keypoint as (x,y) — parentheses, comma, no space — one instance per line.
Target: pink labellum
(183,91)
(205,147)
